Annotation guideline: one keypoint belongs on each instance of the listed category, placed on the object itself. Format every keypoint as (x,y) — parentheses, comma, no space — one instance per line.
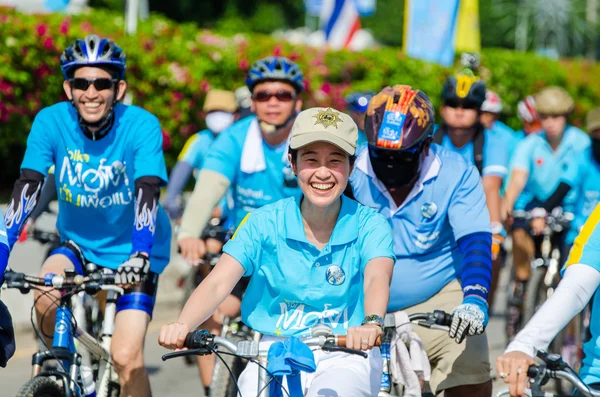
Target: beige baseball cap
(220,100)
(324,125)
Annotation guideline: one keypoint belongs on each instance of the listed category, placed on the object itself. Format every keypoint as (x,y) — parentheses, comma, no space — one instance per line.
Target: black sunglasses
(465,104)
(100,84)
(265,96)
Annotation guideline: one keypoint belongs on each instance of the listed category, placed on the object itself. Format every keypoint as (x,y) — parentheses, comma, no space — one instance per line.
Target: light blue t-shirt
(294,287)
(362,141)
(588,195)
(546,168)
(95,180)
(587,251)
(252,186)
(194,152)
(495,153)
(446,203)
(196,148)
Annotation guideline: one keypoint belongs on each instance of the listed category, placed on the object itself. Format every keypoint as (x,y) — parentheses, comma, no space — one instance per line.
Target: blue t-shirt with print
(446,203)
(293,285)
(251,190)
(495,153)
(95,180)
(547,168)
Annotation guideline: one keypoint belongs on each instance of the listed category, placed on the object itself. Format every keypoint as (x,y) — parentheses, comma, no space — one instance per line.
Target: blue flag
(429,30)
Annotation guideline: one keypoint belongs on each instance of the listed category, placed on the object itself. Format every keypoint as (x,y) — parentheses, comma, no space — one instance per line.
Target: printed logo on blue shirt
(296,316)
(426,241)
(335,275)
(428,210)
(82,184)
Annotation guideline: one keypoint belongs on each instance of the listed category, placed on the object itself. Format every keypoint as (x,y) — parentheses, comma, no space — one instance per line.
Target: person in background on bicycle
(542,165)
(461,131)
(220,107)
(250,158)
(580,282)
(109,170)
(319,259)
(491,109)
(356,106)
(435,202)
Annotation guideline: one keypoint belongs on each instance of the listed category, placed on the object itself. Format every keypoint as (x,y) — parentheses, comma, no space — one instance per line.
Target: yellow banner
(468,37)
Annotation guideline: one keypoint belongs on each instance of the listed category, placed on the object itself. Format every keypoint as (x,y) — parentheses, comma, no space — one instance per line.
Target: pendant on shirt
(428,210)
(335,275)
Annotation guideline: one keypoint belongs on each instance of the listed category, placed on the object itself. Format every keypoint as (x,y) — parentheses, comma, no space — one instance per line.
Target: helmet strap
(272,128)
(102,127)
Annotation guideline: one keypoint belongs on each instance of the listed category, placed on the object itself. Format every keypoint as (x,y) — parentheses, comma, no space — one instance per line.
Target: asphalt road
(172,378)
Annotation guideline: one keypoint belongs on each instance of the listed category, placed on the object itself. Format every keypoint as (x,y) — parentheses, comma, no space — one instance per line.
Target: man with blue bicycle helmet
(109,170)
(356,105)
(250,157)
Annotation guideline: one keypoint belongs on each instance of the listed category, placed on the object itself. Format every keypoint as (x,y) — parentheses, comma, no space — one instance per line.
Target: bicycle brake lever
(332,348)
(199,352)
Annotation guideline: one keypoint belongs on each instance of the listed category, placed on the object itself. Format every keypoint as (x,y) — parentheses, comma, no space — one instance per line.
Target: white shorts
(338,374)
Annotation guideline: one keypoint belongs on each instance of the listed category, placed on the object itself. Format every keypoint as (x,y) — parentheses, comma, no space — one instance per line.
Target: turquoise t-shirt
(251,190)
(95,180)
(587,184)
(293,285)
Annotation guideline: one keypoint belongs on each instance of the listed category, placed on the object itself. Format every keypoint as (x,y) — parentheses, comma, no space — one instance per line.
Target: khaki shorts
(452,364)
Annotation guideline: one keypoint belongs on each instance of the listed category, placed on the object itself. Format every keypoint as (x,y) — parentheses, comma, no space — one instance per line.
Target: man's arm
(177,180)
(23,200)
(210,188)
(147,194)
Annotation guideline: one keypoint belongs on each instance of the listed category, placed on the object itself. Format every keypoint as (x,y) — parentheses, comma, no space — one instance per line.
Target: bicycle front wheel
(222,384)
(41,386)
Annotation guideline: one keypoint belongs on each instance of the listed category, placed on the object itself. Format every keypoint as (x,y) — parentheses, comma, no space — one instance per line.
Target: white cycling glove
(469,318)
(133,270)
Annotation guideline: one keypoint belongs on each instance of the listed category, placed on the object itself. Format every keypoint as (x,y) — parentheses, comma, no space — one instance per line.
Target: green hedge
(171,66)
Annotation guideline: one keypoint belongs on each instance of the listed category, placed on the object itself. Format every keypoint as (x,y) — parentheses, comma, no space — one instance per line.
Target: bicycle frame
(63,348)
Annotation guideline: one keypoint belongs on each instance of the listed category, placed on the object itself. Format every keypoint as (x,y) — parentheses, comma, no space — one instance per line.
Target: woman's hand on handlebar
(192,249)
(363,337)
(172,336)
(538,225)
(512,368)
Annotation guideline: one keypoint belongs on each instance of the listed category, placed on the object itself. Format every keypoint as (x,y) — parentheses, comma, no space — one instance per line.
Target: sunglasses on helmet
(265,96)
(101,84)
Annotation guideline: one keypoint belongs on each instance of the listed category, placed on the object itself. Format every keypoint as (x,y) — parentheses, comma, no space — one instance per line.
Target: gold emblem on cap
(328,118)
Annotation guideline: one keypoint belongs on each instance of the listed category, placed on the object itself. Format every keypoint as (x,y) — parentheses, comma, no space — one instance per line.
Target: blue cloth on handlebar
(289,358)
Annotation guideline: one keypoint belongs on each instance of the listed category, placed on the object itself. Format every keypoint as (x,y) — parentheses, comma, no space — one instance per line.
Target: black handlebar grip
(533,371)
(442,318)
(197,339)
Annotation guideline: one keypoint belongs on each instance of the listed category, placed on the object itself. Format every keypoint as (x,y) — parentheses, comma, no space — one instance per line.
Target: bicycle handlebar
(92,283)
(44,237)
(202,342)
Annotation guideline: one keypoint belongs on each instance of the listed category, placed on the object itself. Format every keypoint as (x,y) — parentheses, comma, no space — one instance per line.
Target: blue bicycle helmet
(358,101)
(276,69)
(92,51)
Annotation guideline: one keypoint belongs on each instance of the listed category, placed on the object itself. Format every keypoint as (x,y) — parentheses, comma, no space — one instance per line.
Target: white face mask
(218,121)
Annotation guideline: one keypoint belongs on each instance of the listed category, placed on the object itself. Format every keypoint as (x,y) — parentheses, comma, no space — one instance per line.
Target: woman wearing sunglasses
(109,168)
(321,258)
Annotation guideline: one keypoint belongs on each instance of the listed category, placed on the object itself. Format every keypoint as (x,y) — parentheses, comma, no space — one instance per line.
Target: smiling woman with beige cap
(322,259)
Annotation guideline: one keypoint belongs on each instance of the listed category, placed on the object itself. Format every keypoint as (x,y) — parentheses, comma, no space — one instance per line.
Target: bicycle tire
(41,386)
(222,385)
(188,288)
(536,293)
